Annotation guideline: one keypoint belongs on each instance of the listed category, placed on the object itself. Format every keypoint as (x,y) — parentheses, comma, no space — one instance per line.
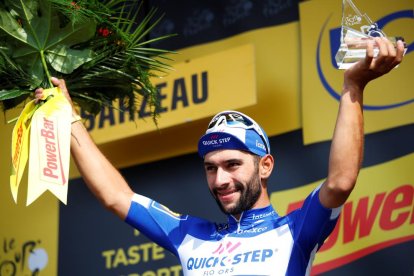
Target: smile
(226,195)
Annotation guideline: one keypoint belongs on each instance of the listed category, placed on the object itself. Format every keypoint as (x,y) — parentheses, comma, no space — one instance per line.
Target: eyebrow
(206,163)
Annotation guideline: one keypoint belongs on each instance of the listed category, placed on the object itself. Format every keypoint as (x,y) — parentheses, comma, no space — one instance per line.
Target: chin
(231,209)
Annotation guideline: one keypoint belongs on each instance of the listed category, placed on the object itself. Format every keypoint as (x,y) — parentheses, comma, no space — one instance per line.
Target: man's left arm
(347,143)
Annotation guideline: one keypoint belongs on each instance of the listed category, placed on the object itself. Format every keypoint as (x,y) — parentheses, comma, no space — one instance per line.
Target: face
(233,179)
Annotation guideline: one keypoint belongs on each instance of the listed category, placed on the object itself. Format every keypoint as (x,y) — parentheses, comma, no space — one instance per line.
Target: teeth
(226,193)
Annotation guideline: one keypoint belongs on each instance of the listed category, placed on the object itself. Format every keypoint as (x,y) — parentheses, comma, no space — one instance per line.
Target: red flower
(105,32)
(75,5)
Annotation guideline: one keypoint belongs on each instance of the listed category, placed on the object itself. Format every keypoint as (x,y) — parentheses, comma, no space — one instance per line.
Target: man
(237,161)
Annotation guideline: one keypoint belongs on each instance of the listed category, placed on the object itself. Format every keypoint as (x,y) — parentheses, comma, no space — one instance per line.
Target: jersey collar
(254,216)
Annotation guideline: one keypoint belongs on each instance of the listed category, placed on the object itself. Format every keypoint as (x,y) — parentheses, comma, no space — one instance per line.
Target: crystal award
(357,29)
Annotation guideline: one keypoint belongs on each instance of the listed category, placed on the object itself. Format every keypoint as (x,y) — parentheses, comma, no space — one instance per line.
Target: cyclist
(237,161)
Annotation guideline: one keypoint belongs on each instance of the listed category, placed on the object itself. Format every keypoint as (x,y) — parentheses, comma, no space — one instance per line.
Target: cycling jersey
(260,243)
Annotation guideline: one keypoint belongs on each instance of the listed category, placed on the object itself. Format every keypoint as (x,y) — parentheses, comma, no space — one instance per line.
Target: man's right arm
(101,177)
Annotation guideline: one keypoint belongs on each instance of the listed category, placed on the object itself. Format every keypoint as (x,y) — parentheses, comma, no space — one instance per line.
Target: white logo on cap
(260,145)
(216,142)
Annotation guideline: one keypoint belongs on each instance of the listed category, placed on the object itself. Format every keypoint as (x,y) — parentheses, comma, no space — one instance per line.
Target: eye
(233,164)
(210,168)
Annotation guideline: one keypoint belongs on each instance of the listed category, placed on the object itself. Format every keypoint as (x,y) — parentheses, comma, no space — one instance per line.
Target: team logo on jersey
(262,216)
(221,227)
(226,257)
(167,211)
(229,248)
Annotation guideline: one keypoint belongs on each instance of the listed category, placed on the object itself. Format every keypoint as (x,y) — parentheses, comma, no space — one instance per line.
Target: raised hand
(371,68)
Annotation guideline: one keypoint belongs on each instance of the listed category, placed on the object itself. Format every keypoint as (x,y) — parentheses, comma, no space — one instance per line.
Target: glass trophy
(357,29)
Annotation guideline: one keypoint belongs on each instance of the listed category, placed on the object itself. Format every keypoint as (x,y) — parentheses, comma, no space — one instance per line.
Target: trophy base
(354,49)
(345,57)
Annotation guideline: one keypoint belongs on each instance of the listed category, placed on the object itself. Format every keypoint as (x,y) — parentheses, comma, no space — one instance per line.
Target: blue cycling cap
(234,130)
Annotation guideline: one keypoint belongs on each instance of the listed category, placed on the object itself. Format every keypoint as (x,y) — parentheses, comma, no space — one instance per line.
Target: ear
(266,166)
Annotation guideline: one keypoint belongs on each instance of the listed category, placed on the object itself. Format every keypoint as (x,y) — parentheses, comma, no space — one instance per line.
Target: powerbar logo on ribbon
(51,159)
(20,147)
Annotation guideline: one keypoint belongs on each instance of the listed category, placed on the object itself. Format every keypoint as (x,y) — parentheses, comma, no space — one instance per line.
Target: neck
(261,203)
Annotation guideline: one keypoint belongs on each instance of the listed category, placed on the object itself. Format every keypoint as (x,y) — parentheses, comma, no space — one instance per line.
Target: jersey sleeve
(161,225)
(313,223)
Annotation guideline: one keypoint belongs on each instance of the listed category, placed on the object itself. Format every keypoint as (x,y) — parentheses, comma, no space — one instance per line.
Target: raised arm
(347,143)
(101,177)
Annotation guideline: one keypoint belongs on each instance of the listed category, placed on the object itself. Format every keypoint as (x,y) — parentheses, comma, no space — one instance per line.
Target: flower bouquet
(100,47)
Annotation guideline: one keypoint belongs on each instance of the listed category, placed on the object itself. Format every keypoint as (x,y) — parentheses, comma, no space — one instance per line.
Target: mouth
(226,195)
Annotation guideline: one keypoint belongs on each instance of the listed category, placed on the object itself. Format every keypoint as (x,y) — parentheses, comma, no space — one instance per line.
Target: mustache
(237,186)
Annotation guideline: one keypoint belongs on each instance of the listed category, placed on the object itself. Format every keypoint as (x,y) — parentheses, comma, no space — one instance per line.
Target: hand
(62,85)
(58,83)
(371,68)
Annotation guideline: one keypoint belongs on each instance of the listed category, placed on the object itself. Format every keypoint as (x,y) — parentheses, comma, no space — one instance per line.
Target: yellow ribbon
(52,107)
(20,147)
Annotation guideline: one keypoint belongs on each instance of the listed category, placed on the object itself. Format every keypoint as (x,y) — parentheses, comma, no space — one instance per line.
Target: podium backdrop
(271,59)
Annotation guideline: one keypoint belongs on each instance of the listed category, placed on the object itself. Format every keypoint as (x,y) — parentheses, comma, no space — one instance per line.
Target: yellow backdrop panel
(276,62)
(197,88)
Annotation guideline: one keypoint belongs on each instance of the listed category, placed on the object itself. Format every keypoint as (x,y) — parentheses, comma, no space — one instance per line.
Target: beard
(249,194)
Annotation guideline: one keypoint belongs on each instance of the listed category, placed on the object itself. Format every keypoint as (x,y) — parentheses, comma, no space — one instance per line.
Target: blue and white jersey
(260,243)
